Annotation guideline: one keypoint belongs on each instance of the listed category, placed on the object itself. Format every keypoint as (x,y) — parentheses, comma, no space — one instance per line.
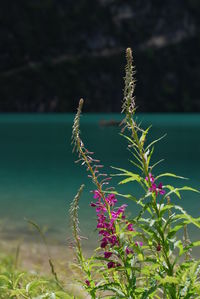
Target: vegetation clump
(143,256)
(19,284)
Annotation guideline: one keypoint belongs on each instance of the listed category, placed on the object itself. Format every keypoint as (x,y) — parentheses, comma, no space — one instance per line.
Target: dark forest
(54,52)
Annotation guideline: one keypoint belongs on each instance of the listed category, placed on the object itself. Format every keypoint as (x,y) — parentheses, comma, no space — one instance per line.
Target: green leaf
(130,179)
(186,188)
(155,141)
(172,190)
(18,279)
(137,165)
(34,285)
(190,219)
(184,215)
(176,190)
(149,157)
(127,137)
(174,230)
(62,295)
(124,172)
(155,164)
(167,279)
(132,176)
(143,135)
(170,175)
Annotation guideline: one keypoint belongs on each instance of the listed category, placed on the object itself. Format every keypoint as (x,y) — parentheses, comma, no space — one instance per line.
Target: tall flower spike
(128,105)
(85,156)
(76,141)
(74,216)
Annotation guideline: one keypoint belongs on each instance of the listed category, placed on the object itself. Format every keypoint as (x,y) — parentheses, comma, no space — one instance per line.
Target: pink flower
(158,248)
(151,178)
(130,227)
(87,282)
(160,189)
(157,190)
(111,200)
(104,233)
(139,243)
(107,254)
(101,208)
(104,242)
(97,194)
(128,250)
(113,240)
(111,265)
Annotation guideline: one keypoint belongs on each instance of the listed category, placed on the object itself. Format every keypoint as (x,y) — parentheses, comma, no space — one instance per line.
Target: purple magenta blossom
(97,194)
(157,190)
(139,243)
(104,242)
(160,188)
(113,240)
(107,254)
(101,208)
(104,233)
(130,227)
(158,248)
(111,265)
(151,178)
(154,188)
(106,224)
(128,250)
(111,200)
(87,282)
(121,209)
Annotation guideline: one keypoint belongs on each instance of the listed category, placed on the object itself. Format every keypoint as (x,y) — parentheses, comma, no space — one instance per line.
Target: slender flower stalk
(85,156)
(76,231)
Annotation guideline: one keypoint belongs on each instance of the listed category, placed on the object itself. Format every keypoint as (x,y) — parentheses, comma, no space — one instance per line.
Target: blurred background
(52,52)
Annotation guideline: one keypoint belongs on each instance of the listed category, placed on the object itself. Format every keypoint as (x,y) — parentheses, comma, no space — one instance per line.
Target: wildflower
(107,254)
(104,233)
(111,200)
(130,227)
(139,243)
(151,178)
(157,190)
(111,265)
(97,194)
(160,189)
(101,208)
(121,209)
(128,250)
(104,242)
(113,240)
(87,282)
(158,248)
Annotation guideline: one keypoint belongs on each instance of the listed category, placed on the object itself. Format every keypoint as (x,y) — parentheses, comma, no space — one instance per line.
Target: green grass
(16,283)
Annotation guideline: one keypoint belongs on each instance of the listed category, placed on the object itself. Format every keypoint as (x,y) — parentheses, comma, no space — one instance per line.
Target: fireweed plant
(142,257)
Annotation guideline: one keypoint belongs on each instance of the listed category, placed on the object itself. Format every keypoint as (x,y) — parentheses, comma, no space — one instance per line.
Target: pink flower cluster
(154,188)
(106,222)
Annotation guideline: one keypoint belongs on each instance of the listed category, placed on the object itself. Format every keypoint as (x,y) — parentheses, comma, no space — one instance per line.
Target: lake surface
(39,178)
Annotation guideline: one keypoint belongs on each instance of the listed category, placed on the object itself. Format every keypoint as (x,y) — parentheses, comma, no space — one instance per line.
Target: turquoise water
(39,178)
